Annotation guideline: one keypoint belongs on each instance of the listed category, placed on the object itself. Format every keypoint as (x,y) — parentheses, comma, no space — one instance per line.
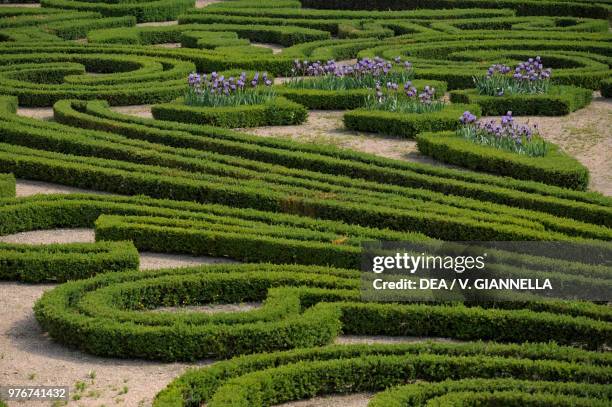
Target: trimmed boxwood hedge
(108,314)
(143,10)
(606,88)
(7,186)
(526,8)
(495,392)
(341,100)
(559,101)
(276,112)
(406,124)
(63,262)
(555,168)
(359,368)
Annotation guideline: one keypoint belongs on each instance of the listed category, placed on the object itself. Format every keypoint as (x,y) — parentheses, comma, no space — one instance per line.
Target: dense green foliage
(559,101)
(555,168)
(192,185)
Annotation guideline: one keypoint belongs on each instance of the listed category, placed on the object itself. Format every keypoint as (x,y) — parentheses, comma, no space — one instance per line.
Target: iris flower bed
(216,90)
(529,77)
(505,135)
(366,73)
(406,101)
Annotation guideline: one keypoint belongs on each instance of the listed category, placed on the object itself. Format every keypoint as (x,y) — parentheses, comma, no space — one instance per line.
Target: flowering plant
(407,100)
(363,74)
(505,135)
(216,90)
(529,77)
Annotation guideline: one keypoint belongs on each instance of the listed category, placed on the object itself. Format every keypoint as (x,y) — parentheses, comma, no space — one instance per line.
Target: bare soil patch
(276,48)
(41,113)
(326,127)
(135,110)
(340,400)
(586,135)
(28,188)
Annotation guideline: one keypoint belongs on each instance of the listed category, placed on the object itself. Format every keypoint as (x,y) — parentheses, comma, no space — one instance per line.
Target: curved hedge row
(303,373)
(116,163)
(109,314)
(41,79)
(559,101)
(59,263)
(555,168)
(495,391)
(407,125)
(277,112)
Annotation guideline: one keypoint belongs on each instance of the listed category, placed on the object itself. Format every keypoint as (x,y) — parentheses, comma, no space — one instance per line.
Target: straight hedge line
(525,8)
(60,263)
(277,112)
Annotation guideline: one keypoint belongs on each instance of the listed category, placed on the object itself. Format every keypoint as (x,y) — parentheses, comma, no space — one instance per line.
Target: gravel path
(28,188)
(349,400)
(136,110)
(41,113)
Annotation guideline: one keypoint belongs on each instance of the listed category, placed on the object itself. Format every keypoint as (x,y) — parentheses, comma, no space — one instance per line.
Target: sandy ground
(136,110)
(41,113)
(350,400)
(28,187)
(30,5)
(586,135)
(326,127)
(276,49)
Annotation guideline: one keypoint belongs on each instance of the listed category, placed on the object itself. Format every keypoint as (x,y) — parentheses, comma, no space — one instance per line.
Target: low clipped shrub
(277,112)
(143,10)
(110,314)
(494,391)
(558,101)
(60,263)
(371,368)
(7,186)
(406,125)
(526,8)
(555,168)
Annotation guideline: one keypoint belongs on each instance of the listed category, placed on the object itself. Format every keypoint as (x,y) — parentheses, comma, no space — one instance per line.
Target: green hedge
(553,200)
(341,100)
(7,186)
(606,88)
(277,112)
(503,391)
(526,8)
(555,168)
(425,361)
(143,10)
(406,124)
(109,315)
(133,79)
(74,318)
(59,263)
(559,101)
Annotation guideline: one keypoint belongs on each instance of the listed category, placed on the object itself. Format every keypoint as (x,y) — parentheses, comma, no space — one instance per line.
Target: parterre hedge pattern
(297,213)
